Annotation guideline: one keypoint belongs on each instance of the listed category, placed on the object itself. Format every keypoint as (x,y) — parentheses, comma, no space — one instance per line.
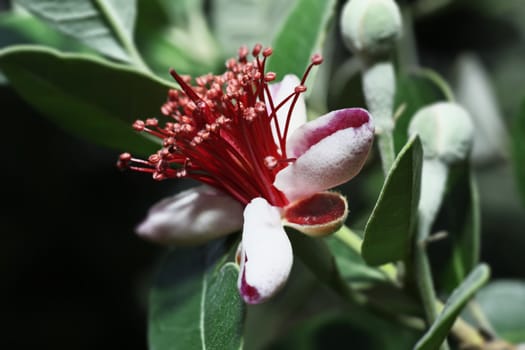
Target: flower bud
(446,131)
(371,27)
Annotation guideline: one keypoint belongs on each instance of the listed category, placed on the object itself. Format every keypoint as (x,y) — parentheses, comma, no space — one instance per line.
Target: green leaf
(518,149)
(300,36)
(502,303)
(461,212)
(105,25)
(414,91)
(16,28)
(194,302)
(239,22)
(437,333)
(176,37)
(86,96)
(391,224)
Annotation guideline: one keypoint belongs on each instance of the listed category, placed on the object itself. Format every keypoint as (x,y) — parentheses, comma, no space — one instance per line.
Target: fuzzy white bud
(446,131)
(371,27)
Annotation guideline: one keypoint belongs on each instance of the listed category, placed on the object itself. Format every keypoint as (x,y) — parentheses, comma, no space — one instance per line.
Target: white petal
(191,217)
(266,258)
(279,92)
(330,150)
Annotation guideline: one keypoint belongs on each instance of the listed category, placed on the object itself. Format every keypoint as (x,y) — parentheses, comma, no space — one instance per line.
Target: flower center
(219,130)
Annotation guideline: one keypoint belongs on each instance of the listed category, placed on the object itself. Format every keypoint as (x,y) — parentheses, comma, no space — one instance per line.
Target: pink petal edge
(330,150)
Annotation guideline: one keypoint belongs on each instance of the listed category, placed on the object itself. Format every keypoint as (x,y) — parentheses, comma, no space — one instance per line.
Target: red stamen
(220,132)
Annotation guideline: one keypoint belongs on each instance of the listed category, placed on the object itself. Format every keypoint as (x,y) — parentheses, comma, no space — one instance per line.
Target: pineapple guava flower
(261,163)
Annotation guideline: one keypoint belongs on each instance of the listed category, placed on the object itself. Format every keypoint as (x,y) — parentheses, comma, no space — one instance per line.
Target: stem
(386,150)
(423,276)
(433,179)
(354,242)
(379,84)
(467,334)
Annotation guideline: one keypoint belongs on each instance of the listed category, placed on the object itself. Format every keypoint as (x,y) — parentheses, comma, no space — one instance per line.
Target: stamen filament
(221,130)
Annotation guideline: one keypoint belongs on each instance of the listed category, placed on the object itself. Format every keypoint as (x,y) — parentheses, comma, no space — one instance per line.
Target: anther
(256,50)
(230,63)
(270,162)
(185,119)
(270,76)
(169,141)
(173,95)
(154,158)
(299,89)
(249,114)
(123,161)
(201,81)
(202,105)
(186,128)
(316,59)
(213,127)
(158,176)
(138,125)
(260,107)
(267,52)
(166,109)
(197,140)
(152,122)
(243,52)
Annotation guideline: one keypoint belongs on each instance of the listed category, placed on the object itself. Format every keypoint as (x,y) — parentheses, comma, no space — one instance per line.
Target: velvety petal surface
(279,91)
(266,252)
(191,217)
(330,150)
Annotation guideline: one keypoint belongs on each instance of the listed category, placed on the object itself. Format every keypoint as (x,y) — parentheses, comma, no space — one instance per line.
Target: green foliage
(105,25)
(391,225)
(461,211)
(300,36)
(177,37)
(437,333)
(239,22)
(194,302)
(24,29)
(414,91)
(86,96)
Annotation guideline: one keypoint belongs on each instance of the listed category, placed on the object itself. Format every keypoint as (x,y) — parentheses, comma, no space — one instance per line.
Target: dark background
(71,268)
